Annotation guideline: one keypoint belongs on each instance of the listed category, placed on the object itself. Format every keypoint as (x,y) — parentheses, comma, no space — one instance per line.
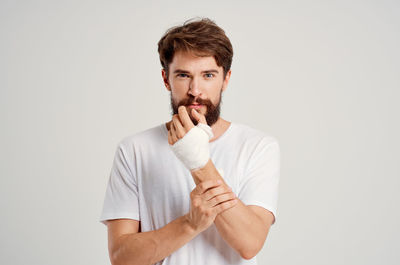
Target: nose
(194,87)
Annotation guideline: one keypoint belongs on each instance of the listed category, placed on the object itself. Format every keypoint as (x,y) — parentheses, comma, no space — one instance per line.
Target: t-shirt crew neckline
(165,130)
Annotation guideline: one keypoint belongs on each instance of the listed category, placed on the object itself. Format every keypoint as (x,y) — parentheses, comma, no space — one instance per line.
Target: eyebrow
(187,72)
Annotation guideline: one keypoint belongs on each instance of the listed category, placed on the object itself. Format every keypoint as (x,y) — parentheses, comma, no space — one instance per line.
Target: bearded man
(197,189)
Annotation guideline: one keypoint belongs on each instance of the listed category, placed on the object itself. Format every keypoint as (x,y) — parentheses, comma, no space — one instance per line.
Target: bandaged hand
(190,143)
(193,149)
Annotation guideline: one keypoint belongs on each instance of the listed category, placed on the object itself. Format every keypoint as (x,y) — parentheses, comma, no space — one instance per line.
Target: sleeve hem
(112,216)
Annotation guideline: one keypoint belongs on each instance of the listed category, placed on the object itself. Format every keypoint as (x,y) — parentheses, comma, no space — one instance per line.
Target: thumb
(199,117)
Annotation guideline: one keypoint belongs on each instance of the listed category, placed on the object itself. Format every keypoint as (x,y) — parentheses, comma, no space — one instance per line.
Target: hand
(190,143)
(181,124)
(209,199)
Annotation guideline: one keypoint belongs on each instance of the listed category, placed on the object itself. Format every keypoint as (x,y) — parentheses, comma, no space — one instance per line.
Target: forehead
(190,62)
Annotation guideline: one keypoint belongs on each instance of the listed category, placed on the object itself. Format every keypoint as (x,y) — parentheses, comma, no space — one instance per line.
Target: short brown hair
(202,37)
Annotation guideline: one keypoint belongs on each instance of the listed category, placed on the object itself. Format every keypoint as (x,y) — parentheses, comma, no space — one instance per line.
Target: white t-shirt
(150,184)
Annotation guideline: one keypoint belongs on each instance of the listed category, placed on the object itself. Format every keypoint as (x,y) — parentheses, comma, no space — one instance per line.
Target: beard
(212,111)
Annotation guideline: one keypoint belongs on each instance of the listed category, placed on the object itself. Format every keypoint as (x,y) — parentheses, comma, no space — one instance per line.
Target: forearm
(239,226)
(152,246)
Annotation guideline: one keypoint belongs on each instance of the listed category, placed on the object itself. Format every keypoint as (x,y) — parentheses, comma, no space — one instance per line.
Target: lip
(195,106)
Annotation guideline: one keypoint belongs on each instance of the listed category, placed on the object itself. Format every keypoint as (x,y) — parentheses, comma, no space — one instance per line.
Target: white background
(321,76)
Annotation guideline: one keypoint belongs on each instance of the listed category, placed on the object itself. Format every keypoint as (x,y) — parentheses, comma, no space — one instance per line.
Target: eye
(182,75)
(209,75)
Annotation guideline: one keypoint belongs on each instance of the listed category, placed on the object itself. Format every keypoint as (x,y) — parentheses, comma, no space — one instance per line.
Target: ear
(165,78)
(226,81)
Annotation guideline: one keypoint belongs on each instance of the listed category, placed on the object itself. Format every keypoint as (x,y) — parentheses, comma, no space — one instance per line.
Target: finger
(211,193)
(225,206)
(184,117)
(173,133)
(170,138)
(198,116)
(205,185)
(221,198)
(180,131)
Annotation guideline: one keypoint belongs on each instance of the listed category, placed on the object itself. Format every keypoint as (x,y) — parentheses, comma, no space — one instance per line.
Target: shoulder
(251,136)
(260,148)
(151,136)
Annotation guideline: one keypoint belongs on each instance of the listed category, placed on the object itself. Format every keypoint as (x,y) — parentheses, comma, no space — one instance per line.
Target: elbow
(135,253)
(249,251)
(117,254)
(248,255)
(113,255)
(116,258)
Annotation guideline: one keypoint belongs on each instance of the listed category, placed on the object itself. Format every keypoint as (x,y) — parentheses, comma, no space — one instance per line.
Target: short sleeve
(121,198)
(260,182)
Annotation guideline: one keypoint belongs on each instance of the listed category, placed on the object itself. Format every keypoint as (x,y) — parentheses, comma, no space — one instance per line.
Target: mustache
(190,101)
(213,111)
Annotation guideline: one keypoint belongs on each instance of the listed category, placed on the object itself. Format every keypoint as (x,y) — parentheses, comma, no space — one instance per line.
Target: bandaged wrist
(194,149)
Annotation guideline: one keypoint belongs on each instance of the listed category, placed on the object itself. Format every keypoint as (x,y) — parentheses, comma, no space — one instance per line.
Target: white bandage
(194,149)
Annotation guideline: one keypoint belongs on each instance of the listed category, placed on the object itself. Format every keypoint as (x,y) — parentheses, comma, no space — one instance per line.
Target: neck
(219,128)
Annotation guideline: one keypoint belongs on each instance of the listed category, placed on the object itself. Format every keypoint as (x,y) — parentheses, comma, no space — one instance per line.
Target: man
(198,189)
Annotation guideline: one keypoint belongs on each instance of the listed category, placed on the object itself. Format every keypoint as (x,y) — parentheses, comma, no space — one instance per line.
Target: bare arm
(244,228)
(128,246)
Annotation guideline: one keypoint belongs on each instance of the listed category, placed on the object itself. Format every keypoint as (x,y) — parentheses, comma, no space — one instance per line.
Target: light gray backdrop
(321,76)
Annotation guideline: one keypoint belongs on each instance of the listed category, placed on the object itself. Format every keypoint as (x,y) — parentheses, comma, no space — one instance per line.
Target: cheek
(179,87)
(177,95)
(211,89)
(216,92)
